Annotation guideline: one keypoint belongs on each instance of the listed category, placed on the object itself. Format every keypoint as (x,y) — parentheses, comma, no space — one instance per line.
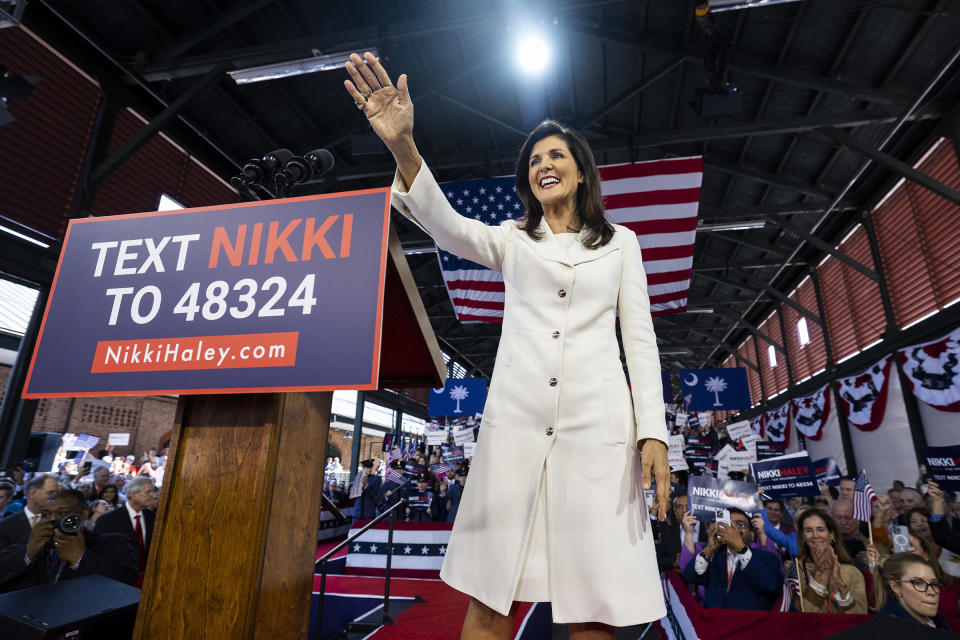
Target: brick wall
(148,420)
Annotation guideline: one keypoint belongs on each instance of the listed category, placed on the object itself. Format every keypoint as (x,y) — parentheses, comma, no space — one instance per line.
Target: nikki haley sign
(284,295)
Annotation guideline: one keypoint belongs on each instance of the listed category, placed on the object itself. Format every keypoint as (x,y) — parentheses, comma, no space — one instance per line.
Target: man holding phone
(734,576)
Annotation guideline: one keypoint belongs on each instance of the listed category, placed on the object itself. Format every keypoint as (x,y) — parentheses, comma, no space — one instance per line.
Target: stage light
(23,237)
(533,53)
(299,67)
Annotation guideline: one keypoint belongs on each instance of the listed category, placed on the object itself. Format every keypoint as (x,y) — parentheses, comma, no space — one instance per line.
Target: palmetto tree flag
(715,389)
(459,397)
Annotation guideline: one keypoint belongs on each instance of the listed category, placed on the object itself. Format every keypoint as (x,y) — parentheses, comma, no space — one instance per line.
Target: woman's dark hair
(804,551)
(910,512)
(589,199)
(116,495)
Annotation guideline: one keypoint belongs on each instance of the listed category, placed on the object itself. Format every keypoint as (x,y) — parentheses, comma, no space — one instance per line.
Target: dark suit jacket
(118,521)
(14,529)
(754,587)
(943,534)
(111,555)
(669,543)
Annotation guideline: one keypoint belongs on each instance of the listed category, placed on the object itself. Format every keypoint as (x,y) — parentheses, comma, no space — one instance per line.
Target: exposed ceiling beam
(741,64)
(819,243)
(709,214)
(204,30)
(760,175)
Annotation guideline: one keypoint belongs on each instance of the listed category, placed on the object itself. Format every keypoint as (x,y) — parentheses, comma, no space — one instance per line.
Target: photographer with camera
(15,529)
(59,548)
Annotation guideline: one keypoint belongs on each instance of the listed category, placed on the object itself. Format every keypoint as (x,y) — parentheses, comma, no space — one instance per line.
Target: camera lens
(71,523)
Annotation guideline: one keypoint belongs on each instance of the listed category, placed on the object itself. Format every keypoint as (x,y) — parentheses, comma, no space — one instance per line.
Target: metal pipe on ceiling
(135,77)
(900,121)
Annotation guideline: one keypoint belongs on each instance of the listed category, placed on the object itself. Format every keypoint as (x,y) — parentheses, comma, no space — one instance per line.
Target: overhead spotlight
(732,226)
(301,66)
(533,53)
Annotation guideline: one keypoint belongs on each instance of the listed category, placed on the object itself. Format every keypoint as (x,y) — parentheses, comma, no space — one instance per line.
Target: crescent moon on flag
(695,380)
(438,390)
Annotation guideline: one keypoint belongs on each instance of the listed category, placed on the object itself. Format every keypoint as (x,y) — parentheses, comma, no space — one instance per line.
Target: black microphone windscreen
(278,159)
(321,159)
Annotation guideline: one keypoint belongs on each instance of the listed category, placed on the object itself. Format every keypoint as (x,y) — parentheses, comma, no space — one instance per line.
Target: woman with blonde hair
(912,589)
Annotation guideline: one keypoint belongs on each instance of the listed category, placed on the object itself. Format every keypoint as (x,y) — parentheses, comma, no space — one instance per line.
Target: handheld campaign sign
(767,450)
(787,476)
(739,430)
(943,466)
(708,496)
(827,471)
(227,299)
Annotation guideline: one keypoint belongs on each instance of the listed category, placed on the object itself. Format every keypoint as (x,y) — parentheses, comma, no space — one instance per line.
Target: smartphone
(723,516)
(900,537)
(649,494)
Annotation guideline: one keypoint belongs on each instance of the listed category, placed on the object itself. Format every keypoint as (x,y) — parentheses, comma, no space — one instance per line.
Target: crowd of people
(92,518)
(431,486)
(813,554)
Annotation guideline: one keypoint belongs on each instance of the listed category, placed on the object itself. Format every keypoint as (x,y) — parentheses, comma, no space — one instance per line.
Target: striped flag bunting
(657,200)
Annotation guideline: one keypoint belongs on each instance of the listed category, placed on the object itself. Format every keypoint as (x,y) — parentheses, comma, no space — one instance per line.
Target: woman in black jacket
(912,590)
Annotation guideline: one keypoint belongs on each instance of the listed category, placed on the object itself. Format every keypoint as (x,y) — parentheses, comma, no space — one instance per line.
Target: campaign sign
(739,430)
(705,496)
(767,450)
(943,466)
(786,477)
(451,454)
(459,397)
(284,295)
(827,471)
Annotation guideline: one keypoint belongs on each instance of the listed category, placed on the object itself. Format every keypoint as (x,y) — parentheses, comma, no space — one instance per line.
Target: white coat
(558,405)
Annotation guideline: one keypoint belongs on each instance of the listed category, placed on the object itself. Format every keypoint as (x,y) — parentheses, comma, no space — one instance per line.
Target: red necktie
(138,531)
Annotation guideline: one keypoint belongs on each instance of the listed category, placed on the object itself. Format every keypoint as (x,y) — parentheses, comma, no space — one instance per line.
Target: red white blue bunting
(811,413)
(933,371)
(863,397)
(776,425)
(757,425)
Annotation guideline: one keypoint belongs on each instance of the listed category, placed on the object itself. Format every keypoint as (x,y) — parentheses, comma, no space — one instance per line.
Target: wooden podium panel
(236,532)
(235,541)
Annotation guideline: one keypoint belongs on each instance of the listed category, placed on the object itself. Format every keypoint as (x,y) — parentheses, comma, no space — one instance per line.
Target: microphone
(320,160)
(276,160)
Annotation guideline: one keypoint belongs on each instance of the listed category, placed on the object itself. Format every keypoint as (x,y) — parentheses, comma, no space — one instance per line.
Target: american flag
(394,454)
(863,497)
(657,200)
(440,469)
(395,476)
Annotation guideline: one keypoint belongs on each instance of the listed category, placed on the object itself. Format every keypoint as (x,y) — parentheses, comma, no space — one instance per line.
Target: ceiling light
(701,310)
(23,237)
(676,352)
(533,53)
(732,226)
(299,67)
(717,6)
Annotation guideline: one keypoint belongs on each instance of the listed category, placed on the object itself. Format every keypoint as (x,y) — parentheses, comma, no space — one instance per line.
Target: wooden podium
(233,552)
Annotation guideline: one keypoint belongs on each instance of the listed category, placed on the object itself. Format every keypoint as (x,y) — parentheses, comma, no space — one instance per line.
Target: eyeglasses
(922,585)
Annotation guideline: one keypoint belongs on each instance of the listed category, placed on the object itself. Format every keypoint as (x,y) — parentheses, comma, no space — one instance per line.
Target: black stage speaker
(88,608)
(41,451)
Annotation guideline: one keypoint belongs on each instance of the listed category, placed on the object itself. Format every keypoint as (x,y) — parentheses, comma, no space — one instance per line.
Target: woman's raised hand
(387,108)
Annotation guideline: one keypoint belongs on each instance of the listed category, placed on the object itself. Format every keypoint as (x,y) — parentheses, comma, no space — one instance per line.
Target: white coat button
(562,293)
(549,431)
(555,335)
(553,382)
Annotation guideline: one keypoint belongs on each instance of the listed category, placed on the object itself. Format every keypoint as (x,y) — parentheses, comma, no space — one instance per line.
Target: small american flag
(394,454)
(440,469)
(863,497)
(395,476)
(657,200)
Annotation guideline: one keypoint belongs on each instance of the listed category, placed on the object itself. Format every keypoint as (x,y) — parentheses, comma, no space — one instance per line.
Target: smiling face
(919,525)
(553,173)
(816,532)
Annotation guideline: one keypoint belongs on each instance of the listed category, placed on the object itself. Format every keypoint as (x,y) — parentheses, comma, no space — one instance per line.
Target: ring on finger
(368,93)
(359,104)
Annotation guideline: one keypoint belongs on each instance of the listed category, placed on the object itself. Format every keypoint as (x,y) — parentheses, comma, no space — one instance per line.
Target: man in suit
(734,575)
(135,519)
(365,506)
(59,548)
(16,528)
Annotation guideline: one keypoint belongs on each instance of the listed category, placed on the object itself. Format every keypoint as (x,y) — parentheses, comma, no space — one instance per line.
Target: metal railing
(321,564)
